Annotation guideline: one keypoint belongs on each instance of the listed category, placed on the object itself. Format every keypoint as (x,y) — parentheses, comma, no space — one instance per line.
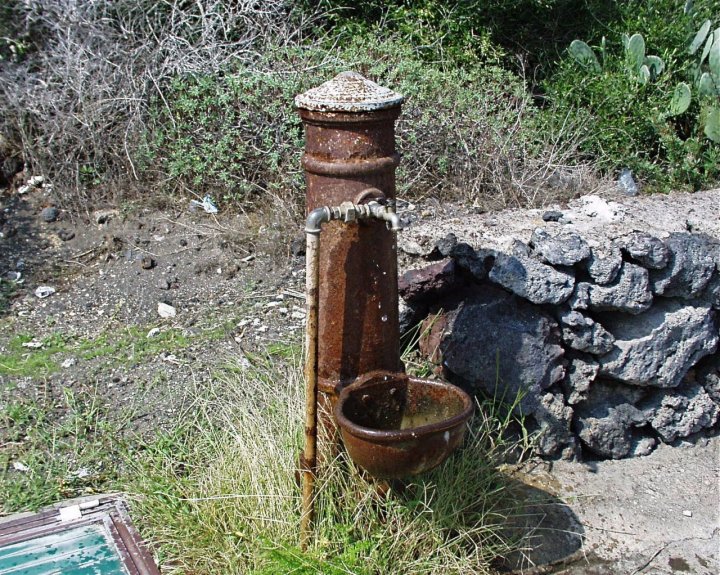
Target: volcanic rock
(565,248)
(582,333)
(629,292)
(659,347)
(532,280)
(498,344)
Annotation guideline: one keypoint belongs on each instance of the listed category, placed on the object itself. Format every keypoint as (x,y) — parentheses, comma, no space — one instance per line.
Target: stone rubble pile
(599,320)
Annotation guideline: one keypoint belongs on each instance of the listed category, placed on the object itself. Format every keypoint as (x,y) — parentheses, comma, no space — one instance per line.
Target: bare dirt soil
(230,294)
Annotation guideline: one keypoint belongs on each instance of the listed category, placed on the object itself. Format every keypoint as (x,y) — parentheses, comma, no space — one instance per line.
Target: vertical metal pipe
(372,210)
(350,147)
(309,457)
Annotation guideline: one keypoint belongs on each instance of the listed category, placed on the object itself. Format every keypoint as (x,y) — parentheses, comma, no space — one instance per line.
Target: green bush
(526,32)
(466,132)
(111,97)
(627,100)
(234,133)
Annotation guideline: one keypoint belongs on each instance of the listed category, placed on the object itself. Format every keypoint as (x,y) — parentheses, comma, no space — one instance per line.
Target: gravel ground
(230,294)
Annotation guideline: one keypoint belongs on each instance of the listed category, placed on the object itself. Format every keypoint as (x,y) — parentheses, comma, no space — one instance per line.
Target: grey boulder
(690,267)
(50,214)
(604,263)
(582,333)
(711,294)
(498,344)
(647,250)
(532,280)
(606,421)
(581,372)
(682,412)
(708,375)
(565,248)
(555,437)
(471,262)
(629,292)
(659,347)
(445,245)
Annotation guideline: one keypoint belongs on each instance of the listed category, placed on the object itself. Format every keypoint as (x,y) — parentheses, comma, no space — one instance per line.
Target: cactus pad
(680,99)
(584,55)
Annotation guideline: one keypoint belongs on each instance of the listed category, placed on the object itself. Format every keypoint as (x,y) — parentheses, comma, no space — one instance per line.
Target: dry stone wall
(601,317)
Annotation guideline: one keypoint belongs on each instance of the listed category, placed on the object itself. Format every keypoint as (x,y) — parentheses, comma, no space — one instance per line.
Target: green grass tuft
(129,345)
(219,495)
(55,449)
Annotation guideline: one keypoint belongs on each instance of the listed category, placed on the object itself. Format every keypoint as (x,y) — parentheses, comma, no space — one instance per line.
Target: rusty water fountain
(391,424)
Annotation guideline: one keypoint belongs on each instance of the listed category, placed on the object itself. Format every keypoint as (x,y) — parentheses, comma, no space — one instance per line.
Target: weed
(459,33)
(54,449)
(196,97)
(17,417)
(130,345)
(100,63)
(228,127)
(218,494)
(285,350)
(414,361)
(22,361)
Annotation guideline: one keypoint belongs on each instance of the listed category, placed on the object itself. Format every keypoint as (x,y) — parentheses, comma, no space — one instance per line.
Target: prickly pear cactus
(708,45)
(707,87)
(635,52)
(712,125)
(714,55)
(707,81)
(699,37)
(584,55)
(655,65)
(681,98)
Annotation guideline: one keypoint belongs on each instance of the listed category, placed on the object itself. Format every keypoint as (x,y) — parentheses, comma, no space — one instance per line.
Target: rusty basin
(394,425)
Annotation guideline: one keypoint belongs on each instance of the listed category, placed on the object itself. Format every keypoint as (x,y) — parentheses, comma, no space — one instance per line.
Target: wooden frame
(109,511)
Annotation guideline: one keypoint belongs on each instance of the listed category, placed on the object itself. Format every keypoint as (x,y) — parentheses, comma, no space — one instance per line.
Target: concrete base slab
(656,514)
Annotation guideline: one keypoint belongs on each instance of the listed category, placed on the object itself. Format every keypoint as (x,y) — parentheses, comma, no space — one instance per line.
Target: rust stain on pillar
(350,147)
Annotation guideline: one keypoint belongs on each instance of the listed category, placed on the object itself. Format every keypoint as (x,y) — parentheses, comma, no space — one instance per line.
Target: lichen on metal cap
(348,92)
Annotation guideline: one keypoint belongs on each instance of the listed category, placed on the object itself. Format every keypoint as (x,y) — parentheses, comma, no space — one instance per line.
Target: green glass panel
(86,550)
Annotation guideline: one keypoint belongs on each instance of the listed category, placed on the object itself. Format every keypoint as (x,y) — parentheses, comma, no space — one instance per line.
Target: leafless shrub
(93,86)
(522,173)
(76,102)
(485,144)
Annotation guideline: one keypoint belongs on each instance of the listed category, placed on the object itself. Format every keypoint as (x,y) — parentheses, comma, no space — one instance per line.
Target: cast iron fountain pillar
(350,156)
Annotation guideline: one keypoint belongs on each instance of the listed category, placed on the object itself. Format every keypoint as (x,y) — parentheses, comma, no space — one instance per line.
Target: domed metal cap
(348,92)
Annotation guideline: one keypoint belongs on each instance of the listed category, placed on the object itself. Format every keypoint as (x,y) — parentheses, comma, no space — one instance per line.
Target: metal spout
(348,212)
(387,213)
